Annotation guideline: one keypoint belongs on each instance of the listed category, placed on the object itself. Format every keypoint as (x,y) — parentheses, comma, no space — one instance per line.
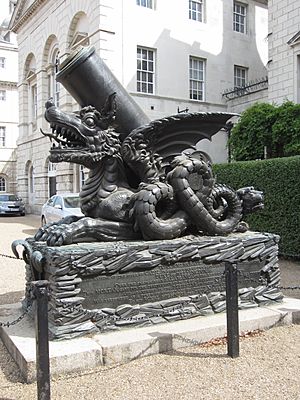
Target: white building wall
(8,107)
(284,64)
(240,104)
(117,27)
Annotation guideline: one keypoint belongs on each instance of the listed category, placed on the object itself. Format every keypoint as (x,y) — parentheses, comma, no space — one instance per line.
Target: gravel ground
(268,366)
(267,369)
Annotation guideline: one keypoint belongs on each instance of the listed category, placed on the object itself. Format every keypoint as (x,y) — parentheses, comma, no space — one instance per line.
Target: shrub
(279,179)
(266,128)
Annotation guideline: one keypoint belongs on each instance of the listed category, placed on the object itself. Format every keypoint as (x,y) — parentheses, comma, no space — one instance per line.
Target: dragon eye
(89,121)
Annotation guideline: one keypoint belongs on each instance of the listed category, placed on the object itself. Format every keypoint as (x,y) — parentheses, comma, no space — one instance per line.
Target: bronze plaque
(161,283)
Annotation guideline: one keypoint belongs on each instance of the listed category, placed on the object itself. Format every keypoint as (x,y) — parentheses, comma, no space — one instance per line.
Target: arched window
(78,31)
(31,179)
(2,184)
(52,69)
(31,80)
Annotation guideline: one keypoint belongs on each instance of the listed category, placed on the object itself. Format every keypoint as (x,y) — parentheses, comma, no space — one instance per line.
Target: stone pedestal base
(105,286)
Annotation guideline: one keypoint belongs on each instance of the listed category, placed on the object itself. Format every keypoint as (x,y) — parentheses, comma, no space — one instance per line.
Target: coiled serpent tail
(198,201)
(193,199)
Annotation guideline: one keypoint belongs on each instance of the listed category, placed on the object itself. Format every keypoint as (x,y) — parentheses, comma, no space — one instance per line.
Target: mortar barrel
(88,79)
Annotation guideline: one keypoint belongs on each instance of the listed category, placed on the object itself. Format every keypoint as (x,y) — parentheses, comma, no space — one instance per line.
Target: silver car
(60,206)
(11,204)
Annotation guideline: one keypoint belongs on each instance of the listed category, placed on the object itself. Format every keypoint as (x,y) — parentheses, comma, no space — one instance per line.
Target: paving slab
(88,352)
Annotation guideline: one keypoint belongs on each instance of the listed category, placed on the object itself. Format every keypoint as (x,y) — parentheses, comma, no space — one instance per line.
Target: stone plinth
(105,286)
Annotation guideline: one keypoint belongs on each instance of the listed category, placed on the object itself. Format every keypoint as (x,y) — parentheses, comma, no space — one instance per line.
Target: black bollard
(40,293)
(232,310)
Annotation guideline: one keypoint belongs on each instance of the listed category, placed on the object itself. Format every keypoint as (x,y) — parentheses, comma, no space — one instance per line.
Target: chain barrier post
(232,315)
(40,291)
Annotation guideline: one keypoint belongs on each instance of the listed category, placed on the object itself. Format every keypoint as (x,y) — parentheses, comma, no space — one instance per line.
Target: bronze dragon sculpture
(142,185)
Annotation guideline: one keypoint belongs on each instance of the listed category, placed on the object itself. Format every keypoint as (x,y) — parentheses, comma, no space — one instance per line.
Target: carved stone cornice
(19,19)
(294,40)
(8,85)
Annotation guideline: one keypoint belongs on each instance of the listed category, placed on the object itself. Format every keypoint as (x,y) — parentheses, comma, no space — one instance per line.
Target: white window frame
(2,95)
(240,13)
(2,184)
(2,62)
(240,76)
(83,175)
(31,179)
(197,75)
(145,3)
(145,70)
(2,136)
(196,10)
(54,87)
(34,103)
(51,168)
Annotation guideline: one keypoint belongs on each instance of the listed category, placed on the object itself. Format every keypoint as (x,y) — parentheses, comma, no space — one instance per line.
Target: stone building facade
(169,54)
(8,100)
(284,51)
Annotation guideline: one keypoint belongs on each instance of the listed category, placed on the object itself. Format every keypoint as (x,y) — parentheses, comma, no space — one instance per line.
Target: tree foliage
(266,130)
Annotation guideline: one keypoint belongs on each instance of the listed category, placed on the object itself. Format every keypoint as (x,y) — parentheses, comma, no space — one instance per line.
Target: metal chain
(17,320)
(288,287)
(7,256)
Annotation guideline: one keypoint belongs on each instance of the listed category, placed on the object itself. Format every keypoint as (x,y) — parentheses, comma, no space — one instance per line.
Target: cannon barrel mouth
(90,81)
(73,60)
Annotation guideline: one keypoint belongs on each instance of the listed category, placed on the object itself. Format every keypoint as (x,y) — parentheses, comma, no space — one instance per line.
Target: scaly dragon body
(142,186)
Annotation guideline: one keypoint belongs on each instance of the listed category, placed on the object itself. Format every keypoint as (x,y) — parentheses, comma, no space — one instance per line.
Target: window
(51,168)
(145,70)
(82,176)
(240,76)
(239,17)
(2,95)
(31,179)
(53,85)
(56,92)
(196,10)
(197,78)
(144,3)
(58,202)
(34,103)
(2,62)
(2,136)
(2,184)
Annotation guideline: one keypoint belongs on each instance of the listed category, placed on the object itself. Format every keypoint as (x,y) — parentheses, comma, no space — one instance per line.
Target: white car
(11,204)
(60,206)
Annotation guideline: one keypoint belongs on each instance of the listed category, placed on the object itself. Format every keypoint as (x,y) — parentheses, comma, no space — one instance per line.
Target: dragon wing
(150,148)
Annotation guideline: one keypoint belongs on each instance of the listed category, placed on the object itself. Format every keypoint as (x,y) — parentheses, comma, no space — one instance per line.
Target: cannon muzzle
(88,79)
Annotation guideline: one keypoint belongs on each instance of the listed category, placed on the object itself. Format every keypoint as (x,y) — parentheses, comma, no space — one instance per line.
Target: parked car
(11,204)
(60,206)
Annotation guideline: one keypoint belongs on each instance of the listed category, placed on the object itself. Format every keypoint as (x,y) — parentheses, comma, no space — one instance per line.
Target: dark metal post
(232,310)
(40,292)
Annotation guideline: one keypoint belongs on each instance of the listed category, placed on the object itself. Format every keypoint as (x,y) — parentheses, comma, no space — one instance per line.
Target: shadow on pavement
(11,298)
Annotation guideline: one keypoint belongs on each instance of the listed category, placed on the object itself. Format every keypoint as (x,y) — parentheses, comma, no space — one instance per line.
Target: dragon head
(83,138)
(252,200)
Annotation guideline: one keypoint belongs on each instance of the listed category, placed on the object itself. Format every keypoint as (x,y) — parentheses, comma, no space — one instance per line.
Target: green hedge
(279,179)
